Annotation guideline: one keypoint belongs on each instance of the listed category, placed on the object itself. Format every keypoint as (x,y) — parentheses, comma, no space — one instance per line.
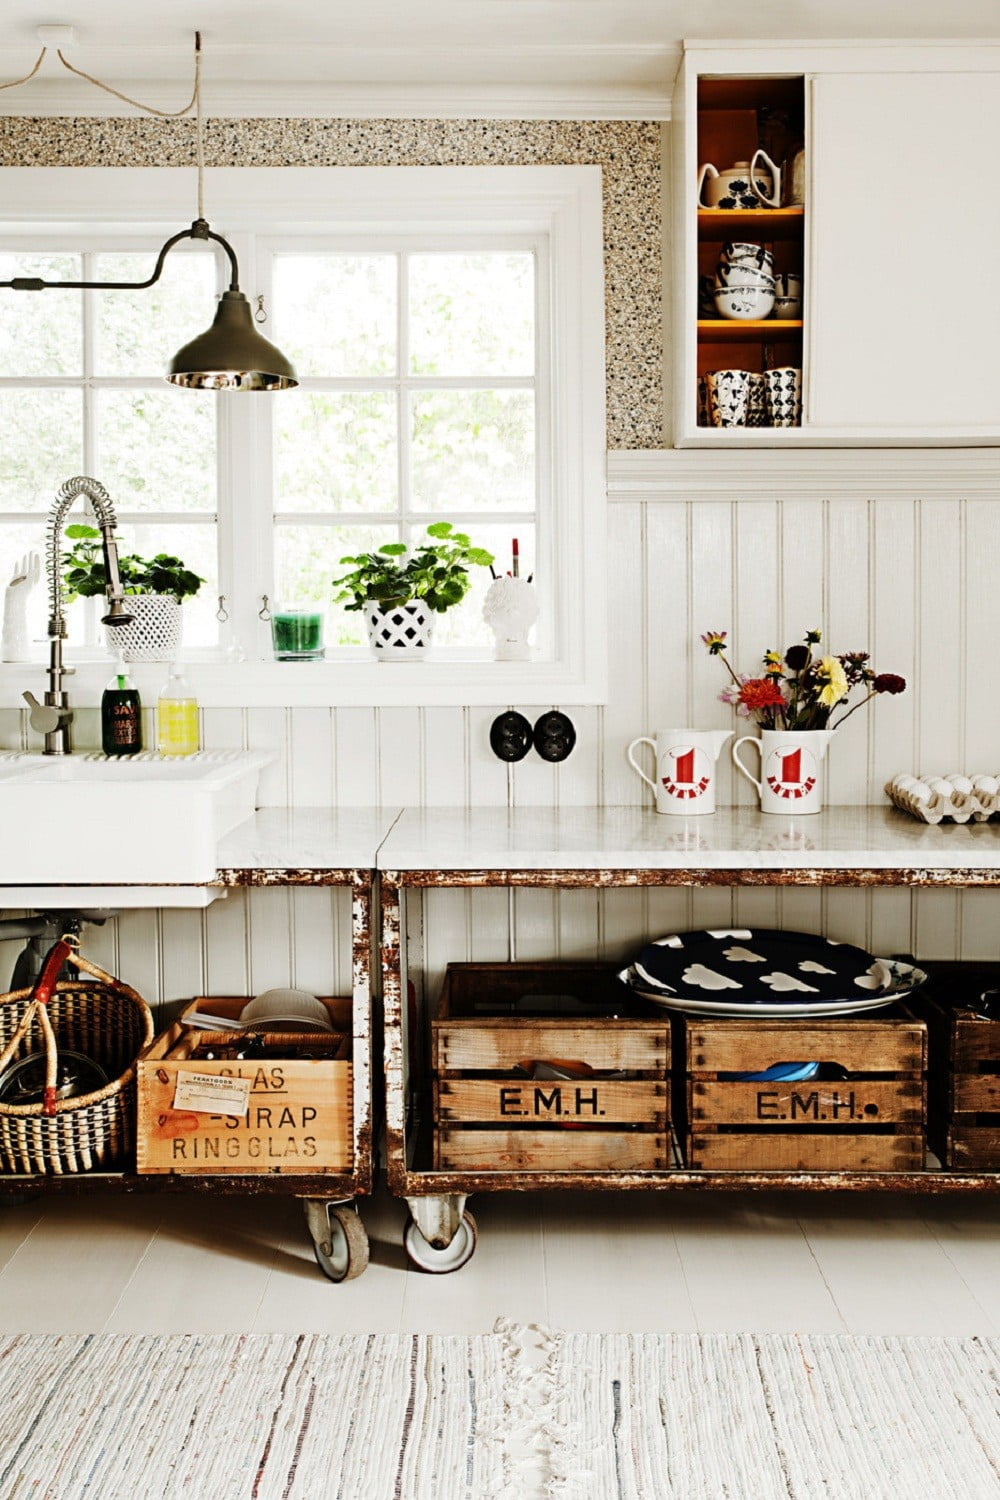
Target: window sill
(348,684)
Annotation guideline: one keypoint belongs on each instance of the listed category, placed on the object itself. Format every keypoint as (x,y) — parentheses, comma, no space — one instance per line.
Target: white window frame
(560,206)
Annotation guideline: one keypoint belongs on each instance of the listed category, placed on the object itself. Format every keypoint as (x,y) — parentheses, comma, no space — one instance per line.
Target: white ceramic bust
(510,609)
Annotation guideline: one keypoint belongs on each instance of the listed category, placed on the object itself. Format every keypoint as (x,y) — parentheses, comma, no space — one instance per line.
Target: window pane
(473,450)
(307,559)
(196,546)
(138,333)
(157,449)
(41,333)
(42,446)
(472,314)
(335,452)
(337,313)
(464,625)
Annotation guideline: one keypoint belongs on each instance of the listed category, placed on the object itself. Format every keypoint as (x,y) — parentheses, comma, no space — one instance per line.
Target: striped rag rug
(524,1413)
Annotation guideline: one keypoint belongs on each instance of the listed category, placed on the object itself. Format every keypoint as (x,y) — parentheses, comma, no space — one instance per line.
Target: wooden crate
(490,1117)
(870,1119)
(964,1068)
(299,1114)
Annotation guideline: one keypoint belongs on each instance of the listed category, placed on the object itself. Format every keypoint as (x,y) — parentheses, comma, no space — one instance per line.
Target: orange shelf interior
(766,223)
(741,330)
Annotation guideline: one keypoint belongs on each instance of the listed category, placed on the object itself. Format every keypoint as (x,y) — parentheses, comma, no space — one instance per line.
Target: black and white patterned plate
(759,967)
(904,979)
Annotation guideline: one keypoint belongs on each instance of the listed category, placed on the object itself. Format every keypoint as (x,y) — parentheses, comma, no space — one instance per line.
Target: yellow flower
(834,680)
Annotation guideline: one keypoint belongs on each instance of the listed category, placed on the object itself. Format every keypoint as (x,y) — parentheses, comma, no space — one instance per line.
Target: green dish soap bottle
(176,717)
(121,715)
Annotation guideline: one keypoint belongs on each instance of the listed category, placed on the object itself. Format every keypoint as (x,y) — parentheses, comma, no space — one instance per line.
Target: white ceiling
(615,57)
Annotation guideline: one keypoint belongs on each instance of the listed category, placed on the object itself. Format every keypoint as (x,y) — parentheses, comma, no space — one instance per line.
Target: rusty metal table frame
(319,1191)
(437,1198)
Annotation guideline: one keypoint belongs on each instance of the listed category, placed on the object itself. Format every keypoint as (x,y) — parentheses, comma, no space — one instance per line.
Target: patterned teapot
(733,188)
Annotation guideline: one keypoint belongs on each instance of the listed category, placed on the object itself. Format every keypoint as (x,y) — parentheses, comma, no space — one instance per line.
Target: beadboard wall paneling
(908,574)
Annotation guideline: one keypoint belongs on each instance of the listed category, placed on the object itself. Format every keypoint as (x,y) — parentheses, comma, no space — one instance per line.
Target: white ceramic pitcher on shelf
(790,768)
(684,768)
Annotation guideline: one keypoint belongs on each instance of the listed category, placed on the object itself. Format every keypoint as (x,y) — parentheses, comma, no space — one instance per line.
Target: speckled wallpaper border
(628,152)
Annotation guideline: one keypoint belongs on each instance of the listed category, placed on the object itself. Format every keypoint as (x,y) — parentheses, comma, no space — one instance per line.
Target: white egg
(961,784)
(920,792)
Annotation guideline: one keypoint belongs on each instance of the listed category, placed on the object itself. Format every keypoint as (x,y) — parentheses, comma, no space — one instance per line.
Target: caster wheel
(427,1257)
(345,1254)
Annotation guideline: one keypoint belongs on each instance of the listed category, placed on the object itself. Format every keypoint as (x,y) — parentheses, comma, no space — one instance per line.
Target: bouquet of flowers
(800,690)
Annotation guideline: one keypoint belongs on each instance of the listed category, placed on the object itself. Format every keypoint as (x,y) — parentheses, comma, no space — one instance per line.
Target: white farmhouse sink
(144,820)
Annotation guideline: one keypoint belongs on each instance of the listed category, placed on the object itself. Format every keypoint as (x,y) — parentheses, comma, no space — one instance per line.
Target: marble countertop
(631,838)
(307,838)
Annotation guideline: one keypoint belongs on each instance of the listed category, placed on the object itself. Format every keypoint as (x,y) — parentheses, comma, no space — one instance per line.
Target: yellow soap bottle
(176,717)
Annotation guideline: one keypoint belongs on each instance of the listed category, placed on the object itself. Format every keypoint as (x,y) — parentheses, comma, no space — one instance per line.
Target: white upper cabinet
(894,238)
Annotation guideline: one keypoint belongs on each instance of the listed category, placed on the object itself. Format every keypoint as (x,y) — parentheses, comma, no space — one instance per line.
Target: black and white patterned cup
(783,389)
(728,397)
(704,409)
(757,402)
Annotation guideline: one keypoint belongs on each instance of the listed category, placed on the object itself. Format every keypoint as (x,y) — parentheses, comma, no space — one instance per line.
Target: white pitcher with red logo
(791,764)
(685,768)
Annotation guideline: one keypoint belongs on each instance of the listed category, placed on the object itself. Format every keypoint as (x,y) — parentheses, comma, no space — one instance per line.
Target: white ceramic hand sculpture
(14,642)
(510,609)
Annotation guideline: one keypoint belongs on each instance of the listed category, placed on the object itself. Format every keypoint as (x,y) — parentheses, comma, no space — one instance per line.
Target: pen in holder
(510,609)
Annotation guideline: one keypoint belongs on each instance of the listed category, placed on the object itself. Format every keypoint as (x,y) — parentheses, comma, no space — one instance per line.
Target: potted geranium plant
(399,591)
(156,587)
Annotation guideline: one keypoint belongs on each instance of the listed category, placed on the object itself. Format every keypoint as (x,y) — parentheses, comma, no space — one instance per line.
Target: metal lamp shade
(232,355)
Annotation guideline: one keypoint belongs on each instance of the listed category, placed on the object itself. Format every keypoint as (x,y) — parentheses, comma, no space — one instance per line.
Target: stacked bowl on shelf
(744,281)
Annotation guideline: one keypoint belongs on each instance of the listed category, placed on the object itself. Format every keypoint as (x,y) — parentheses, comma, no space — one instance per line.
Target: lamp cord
(164,114)
(16,82)
(150,109)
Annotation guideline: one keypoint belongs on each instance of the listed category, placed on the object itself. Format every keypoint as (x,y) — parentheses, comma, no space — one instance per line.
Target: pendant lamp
(232,354)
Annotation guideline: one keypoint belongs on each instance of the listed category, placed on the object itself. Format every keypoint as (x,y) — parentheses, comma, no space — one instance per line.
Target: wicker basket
(106,1020)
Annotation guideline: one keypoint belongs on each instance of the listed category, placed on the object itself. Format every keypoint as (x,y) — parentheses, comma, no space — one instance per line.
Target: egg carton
(932,798)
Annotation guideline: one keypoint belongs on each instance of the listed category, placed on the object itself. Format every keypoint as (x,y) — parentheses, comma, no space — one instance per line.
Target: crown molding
(672,474)
(563,82)
(239,101)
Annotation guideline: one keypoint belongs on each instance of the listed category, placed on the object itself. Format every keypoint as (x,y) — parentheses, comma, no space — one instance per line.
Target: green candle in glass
(297,633)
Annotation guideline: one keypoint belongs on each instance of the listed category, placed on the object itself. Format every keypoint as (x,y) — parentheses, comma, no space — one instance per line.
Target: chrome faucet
(54,717)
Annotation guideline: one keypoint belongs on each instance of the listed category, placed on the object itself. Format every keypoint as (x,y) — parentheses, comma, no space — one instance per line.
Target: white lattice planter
(400,633)
(155,632)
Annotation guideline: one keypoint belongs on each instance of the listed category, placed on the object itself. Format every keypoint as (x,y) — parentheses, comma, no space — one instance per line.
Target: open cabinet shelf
(747,330)
(726,223)
(733,117)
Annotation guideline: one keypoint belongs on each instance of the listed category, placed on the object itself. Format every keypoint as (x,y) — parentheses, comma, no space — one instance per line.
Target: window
(446,325)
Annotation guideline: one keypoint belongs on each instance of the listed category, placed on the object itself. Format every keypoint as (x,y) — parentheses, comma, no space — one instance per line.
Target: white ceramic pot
(402,632)
(155,631)
(733,187)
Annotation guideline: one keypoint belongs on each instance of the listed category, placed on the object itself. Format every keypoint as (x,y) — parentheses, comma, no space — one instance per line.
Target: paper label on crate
(212,1094)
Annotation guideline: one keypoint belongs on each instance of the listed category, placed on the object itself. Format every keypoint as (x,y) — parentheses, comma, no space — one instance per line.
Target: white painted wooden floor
(582,1262)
